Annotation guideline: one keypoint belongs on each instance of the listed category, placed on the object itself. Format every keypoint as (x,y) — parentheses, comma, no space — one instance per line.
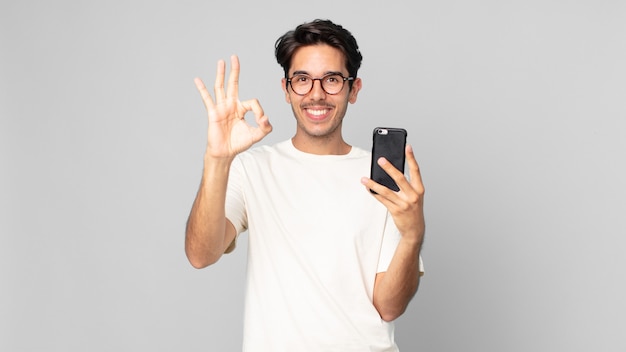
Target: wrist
(414,240)
(216,165)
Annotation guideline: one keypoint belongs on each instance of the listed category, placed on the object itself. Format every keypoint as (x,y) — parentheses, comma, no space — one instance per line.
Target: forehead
(318,60)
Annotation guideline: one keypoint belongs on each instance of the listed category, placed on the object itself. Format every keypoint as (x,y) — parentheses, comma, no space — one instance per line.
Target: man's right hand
(228,132)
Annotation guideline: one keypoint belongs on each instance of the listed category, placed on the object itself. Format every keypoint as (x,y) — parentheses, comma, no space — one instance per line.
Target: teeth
(317,112)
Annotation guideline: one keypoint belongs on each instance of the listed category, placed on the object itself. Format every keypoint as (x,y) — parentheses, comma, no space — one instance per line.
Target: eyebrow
(325,74)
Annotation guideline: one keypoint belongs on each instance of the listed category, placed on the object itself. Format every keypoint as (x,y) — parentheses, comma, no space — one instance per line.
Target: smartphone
(390,143)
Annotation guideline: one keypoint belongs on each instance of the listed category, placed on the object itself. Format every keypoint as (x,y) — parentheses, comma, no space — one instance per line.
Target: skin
(319,119)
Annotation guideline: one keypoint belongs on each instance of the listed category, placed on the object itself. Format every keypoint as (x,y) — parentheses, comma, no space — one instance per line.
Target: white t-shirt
(316,241)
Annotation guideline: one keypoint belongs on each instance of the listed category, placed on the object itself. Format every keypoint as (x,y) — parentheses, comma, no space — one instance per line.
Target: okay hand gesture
(228,132)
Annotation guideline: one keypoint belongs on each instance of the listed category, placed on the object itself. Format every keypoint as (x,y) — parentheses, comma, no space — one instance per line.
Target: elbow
(199,259)
(391,308)
(199,262)
(390,315)
(202,248)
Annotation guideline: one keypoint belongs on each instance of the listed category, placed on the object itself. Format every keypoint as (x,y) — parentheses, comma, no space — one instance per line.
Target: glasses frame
(343,83)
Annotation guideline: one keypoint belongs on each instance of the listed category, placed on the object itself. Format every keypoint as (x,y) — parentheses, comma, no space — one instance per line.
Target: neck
(321,145)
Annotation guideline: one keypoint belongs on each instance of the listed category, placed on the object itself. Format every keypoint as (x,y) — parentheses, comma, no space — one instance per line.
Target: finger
(264,126)
(233,78)
(218,88)
(414,170)
(204,93)
(380,192)
(394,173)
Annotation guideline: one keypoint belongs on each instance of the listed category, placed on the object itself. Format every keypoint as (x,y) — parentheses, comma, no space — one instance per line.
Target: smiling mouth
(317,112)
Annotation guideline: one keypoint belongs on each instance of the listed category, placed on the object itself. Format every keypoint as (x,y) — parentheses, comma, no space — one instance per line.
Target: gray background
(516,110)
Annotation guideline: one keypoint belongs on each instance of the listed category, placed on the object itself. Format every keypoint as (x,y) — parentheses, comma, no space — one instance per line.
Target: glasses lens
(301,84)
(332,84)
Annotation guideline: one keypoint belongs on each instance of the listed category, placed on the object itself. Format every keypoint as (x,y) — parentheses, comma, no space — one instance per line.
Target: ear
(283,83)
(354,91)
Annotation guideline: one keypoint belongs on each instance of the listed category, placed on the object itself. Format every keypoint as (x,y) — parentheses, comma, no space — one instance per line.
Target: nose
(317,92)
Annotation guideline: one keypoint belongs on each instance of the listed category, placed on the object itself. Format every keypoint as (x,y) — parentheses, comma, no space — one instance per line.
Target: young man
(330,265)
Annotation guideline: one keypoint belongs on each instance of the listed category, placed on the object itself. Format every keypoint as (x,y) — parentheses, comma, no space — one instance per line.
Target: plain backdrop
(516,110)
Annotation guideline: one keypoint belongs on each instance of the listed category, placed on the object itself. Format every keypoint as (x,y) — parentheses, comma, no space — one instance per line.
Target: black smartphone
(390,143)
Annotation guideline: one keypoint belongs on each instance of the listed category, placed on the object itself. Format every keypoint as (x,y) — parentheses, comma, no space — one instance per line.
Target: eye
(301,79)
(333,79)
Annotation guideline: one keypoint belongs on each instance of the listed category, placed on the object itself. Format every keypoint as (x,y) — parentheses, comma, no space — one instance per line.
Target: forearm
(207,235)
(394,289)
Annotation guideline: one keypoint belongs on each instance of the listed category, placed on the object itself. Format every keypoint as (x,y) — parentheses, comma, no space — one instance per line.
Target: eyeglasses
(331,83)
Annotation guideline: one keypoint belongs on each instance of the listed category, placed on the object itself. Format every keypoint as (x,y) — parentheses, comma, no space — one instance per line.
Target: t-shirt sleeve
(391,238)
(235,206)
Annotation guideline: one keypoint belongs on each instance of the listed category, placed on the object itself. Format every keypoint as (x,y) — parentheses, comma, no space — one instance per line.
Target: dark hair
(318,32)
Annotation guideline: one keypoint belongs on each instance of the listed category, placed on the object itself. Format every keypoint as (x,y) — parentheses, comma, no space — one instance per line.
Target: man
(330,264)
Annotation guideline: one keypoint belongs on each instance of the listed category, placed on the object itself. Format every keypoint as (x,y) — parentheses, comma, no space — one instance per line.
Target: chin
(319,130)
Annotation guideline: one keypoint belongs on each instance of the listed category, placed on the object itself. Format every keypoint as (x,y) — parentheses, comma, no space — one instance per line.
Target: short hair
(318,32)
